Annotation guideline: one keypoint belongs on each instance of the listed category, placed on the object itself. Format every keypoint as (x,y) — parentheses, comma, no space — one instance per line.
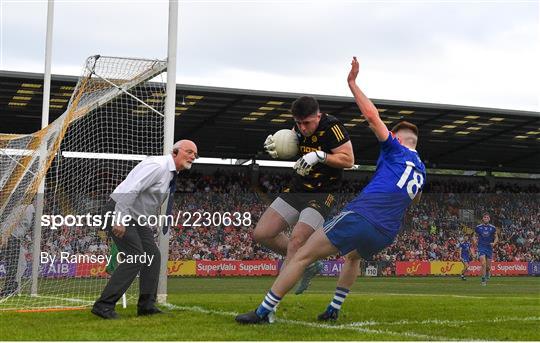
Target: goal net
(114,119)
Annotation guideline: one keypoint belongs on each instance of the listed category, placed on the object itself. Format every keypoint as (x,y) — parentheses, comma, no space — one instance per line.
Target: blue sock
(339,298)
(268,304)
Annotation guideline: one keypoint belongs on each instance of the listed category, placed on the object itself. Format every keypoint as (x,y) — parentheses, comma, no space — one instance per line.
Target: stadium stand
(431,231)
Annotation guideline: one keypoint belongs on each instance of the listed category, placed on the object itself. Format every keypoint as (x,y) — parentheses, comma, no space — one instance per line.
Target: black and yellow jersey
(329,135)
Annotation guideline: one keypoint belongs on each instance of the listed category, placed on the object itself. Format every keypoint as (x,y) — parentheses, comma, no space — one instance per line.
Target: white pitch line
(373,331)
(432,295)
(428,295)
(317,325)
(87,302)
(415,295)
(444,321)
(444,295)
(451,296)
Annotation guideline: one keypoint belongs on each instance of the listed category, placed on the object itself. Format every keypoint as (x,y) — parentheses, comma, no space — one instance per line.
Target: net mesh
(113,120)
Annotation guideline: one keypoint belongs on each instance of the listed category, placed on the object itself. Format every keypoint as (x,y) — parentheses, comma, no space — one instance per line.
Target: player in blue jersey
(487,239)
(369,223)
(465,253)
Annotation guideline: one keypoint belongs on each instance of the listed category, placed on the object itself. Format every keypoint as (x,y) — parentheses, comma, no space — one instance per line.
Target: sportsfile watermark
(113,218)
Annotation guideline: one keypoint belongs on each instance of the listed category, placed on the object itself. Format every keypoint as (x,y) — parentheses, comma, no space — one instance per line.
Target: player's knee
(352,258)
(295,243)
(302,257)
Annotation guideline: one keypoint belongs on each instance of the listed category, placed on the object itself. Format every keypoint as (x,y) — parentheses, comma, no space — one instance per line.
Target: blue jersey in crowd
(465,250)
(399,176)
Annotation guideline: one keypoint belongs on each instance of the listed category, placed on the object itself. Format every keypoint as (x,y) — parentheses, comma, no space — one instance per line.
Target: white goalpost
(115,117)
(121,111)
(168,139)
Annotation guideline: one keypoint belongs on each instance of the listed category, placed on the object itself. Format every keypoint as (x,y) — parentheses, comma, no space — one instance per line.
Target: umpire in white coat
(141,195)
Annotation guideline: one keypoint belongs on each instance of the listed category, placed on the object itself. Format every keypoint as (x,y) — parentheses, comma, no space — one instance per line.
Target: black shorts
(321,202)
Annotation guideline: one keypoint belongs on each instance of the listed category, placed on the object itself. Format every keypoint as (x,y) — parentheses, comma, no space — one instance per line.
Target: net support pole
(36,247)
(168,141)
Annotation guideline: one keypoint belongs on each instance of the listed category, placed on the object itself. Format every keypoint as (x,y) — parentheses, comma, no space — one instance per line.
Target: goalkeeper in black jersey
(305,204)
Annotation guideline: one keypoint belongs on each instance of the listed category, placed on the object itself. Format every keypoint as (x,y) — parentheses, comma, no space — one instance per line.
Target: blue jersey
(399,176)
(465,250)
(486,235)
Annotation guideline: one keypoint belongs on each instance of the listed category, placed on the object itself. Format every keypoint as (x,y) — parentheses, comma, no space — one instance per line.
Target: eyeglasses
(190,152)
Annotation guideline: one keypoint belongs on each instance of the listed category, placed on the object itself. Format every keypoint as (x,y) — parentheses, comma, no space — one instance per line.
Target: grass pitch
(426,308)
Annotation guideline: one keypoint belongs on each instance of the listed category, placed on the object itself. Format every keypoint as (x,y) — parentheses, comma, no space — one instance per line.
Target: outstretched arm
(368,109)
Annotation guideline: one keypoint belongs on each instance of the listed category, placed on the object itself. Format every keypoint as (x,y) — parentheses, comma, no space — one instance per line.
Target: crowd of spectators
(449,210)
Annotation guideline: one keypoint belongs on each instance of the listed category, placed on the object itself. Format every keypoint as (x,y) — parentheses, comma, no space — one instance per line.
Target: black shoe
(149,312)
(251,318)
(105,313)
(328,316)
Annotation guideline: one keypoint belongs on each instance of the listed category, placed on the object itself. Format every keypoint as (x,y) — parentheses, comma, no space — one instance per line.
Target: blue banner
(534,268)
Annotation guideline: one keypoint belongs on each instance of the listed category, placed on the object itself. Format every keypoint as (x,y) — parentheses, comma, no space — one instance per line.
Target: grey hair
(176,147)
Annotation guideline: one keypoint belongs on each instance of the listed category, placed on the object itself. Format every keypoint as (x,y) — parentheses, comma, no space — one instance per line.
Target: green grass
(376,309)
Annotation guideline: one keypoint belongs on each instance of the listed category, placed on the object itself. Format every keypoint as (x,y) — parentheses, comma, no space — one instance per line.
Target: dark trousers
(136,241)
(11,258)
